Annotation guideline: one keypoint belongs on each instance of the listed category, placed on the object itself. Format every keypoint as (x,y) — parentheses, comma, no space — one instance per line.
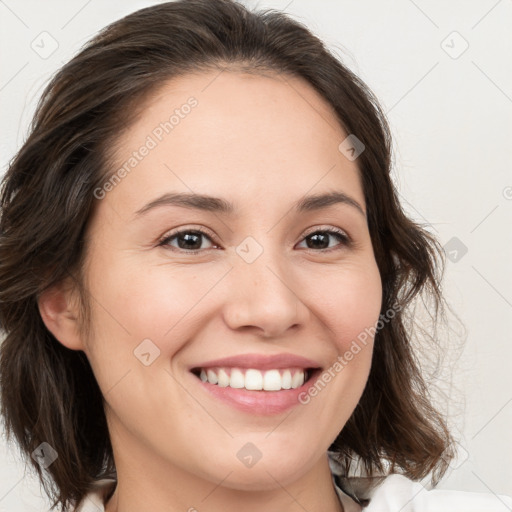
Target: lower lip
(259,402)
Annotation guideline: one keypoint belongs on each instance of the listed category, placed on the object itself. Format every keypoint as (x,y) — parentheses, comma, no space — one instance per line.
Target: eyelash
(345,240)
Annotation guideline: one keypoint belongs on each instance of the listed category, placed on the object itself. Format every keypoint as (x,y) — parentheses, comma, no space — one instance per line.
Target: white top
(392,493)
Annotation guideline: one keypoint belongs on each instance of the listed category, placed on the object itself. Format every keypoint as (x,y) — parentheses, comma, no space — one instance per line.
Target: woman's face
(259,287)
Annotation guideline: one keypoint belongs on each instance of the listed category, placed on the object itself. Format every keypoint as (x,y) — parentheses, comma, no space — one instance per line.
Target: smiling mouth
(253,379)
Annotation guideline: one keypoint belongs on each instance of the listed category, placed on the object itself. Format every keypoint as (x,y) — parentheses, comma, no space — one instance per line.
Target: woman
(204,275)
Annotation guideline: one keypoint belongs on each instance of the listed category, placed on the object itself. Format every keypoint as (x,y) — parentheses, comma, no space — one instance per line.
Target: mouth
(254,379)
(256,384)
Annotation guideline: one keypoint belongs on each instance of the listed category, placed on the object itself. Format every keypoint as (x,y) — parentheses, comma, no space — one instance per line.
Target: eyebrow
(219,205)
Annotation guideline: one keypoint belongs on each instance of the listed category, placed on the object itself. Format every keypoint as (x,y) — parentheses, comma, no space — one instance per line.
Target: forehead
(234,134)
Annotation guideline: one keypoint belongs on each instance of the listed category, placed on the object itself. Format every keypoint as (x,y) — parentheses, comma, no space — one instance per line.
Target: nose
(261,296)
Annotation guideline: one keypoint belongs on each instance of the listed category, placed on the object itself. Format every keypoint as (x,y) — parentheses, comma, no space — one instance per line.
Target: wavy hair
(48,392)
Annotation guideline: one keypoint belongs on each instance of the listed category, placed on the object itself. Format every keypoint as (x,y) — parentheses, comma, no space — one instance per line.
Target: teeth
(212,377)
(237,379)
(223,378)
(297,380)
(286,381)
(272,381)
(251,379)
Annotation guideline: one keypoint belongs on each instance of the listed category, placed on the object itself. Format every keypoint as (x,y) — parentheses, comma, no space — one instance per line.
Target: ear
(58,307)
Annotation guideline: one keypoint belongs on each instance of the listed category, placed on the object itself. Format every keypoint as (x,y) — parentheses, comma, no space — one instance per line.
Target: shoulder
(94,501)
(397,492)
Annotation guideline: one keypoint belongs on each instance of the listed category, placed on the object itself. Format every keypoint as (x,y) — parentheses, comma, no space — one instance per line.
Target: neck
(136,491)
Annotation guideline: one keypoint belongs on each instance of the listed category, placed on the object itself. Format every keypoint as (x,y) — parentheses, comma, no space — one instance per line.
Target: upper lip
(260,362)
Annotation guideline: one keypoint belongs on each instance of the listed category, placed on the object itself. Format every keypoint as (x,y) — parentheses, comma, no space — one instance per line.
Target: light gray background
(450,112)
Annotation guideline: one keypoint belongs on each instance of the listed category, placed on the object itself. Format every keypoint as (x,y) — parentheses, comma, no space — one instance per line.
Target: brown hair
(48,392)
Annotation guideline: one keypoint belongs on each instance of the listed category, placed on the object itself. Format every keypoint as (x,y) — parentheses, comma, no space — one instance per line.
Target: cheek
(347,300)
(147,301)
(133,304)
(348,304)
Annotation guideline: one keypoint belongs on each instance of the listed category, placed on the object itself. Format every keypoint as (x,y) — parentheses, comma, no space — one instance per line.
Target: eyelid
(314,229)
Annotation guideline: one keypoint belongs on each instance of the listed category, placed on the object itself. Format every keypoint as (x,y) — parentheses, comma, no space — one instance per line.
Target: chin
(265,474)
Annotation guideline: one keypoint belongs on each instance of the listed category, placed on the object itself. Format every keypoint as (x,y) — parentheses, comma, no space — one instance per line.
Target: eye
(319,239)
(188,240)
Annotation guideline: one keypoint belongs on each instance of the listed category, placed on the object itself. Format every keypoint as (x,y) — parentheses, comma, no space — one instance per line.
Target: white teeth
(297,380)
(223,378)
(237,379)
(254,380)
(286,381)
(212,377)
(272,381)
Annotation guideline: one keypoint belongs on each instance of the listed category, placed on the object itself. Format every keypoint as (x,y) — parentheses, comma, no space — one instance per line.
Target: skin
(261,142)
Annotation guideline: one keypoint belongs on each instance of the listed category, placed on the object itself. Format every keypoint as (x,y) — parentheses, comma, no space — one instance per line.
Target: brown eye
(320,239)
(187,240)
